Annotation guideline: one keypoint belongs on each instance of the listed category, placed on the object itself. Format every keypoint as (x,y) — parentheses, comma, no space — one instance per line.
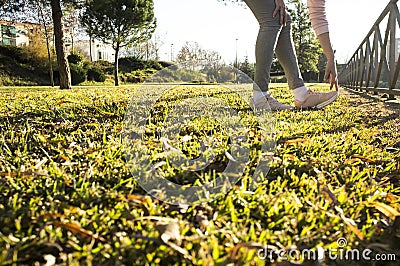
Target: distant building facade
(16,34)
(20,34)
(99,50)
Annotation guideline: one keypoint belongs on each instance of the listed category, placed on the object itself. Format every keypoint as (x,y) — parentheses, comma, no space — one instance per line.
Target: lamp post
(236,58)
(236,62)
(172,52)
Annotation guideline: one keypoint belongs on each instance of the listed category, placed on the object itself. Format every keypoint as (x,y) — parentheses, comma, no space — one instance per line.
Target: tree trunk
(90,48)
(63,66)
(46,33)
(49,58)
(72,41)
(116,66)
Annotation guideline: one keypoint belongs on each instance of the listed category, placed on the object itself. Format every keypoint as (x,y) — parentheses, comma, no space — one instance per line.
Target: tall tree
(191,52)
(307,46)
(71,23)
(120,23)
(63,66)
(247,68)
(148,50)
(43,20)
(213,65)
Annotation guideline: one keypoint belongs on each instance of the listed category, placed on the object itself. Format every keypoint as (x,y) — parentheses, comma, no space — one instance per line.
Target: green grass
(66,188)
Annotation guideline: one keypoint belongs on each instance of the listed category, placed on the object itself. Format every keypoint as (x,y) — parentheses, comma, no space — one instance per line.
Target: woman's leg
(266,40)
(273,37)
(286,55)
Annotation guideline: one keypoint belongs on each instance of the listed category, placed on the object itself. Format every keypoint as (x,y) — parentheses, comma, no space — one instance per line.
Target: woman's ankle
(257,94)
(300,93)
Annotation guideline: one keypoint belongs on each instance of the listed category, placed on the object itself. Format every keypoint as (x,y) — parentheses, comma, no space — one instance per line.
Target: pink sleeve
(318,16)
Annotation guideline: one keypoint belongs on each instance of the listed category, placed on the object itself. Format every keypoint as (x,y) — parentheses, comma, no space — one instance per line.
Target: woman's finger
(327,76)
(332,83)
(275,11)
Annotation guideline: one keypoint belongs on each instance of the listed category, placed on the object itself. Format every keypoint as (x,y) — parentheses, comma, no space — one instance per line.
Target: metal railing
(375,66)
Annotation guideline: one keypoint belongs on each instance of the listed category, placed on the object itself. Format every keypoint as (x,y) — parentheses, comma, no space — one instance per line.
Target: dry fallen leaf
(202,219)
(141,199)
(386,210)
(77,230)
(22,174)
(295,141)
(363,158)
(51,215)
(40,163)
(169,232)
(353,226)
(324,189)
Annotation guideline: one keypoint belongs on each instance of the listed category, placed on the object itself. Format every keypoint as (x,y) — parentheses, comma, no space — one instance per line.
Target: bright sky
(216,26)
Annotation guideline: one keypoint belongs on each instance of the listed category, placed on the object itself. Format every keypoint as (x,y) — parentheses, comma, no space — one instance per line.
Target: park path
(376,110)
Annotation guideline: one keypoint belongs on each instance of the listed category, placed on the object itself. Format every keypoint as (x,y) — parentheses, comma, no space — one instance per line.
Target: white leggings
(272,36)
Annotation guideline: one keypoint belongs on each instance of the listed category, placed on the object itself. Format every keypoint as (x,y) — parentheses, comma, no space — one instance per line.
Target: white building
(100,50)
(19,34)
(16,34)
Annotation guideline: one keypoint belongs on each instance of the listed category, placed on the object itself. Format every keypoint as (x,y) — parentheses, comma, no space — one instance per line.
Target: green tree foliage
(193,55)
(191,52)
(307,46)
(120,23)
(96,74)
(75,58)
(247,68)
(78,74)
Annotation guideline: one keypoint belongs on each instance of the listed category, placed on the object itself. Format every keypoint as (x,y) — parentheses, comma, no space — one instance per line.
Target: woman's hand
(281,8)
(330,70)
(331,73)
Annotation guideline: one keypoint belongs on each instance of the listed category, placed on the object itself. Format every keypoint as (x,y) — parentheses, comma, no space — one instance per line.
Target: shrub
(279,80)
(107,67)
(154,64)
(36,51)
(14,52)
(96,74)
(133,77)
(78,74)
(165,64)
(75,58)
(131,63)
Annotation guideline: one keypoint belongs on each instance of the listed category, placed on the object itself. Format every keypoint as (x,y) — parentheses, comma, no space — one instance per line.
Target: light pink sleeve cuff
(318,19)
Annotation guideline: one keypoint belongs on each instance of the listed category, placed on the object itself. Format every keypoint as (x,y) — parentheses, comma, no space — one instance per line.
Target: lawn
(68,195)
